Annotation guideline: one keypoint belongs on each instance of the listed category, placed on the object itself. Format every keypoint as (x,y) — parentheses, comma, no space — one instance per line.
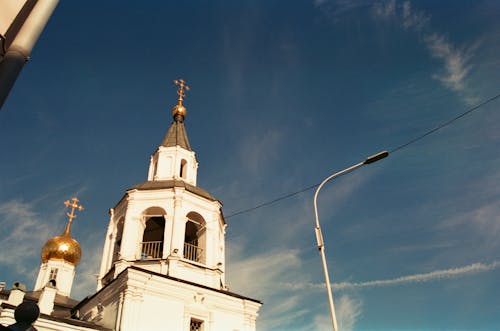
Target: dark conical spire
(176,134)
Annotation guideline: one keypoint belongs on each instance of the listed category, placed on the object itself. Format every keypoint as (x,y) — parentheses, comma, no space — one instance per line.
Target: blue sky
(283,93)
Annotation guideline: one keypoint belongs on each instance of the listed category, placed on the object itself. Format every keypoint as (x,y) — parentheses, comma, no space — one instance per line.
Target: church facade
(163,260)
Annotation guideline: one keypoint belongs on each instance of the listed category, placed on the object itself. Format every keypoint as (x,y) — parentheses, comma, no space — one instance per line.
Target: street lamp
(317,229)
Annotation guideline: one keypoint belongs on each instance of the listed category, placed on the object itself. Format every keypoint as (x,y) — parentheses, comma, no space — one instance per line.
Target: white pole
(20,49)
(319,235)
(321,244)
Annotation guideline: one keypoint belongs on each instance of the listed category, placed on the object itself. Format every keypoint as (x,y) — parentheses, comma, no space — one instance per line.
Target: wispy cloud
(347,312)
(276,263)
(404,13)
(24,229)
(336,8)
(384,9)
(409,279)
(85,280)
(266,267)
(281,306)
(456,60)
(322,323)
(423,277)
(414,19)
(22,233)
(482,223)
(260,149)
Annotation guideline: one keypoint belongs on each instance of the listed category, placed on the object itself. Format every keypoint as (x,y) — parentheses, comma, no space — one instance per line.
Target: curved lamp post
(317,229)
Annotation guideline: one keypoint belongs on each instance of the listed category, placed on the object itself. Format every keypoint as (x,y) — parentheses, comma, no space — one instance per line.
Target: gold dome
(62,247)
(179,110)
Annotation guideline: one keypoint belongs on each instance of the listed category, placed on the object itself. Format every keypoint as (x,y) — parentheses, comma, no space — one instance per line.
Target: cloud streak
(456,60)
(86,276)
(283,309)
(409,279)
(337,8)
(423,277)
(414,19)
(266,267)
(22,233)
(348,311)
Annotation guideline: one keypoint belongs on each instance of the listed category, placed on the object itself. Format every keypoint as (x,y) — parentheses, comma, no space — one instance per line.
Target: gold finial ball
(62,247)
(179,110)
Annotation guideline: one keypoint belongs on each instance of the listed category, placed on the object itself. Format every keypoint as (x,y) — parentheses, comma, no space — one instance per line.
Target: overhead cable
(394,150)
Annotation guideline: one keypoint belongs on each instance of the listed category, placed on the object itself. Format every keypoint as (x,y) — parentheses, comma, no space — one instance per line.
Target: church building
(163,260)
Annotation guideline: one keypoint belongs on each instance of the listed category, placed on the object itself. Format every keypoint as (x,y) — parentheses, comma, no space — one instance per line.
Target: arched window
(155,169)
(118,239)
(154,232)
(183,170)
(194,238)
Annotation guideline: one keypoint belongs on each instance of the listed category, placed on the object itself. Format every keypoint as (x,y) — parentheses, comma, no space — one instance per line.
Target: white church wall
(65,273)
(104,308)
(153,302)
(160,313)
(173,163)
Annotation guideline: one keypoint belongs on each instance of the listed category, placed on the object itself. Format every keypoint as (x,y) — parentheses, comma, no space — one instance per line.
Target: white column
(46,301)
(178,226)
(130,318)
(132,232)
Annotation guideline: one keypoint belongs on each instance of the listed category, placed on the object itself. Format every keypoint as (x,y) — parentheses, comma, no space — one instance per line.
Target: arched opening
(194,238)
(183,170)
(118,239)
(155,169)
(154,232)
(53,274)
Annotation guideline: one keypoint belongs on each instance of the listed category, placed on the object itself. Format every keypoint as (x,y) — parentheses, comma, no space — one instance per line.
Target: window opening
(152,239)
(183,170)
(118,239)
(155,169)
(195,238)
(53,274)
(195,325)
(195,241)
(191,250)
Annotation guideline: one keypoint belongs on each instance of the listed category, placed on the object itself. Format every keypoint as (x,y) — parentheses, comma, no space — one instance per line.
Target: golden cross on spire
(180,92)
(73,204)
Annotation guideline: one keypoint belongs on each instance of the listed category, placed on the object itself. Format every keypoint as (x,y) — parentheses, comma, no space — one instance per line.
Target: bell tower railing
(151,250)
(192,252)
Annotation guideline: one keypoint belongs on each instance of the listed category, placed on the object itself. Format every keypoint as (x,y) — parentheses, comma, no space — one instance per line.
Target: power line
(442,125)
(394,150)
(283,197)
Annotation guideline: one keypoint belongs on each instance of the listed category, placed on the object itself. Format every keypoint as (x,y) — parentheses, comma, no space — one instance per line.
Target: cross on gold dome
(179,111)
(73,204)
(64,247)
(180,92)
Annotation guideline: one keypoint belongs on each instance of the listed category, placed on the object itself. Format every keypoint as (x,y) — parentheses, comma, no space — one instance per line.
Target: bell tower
(163,260)
(60,255)
(174,158)
(167,224)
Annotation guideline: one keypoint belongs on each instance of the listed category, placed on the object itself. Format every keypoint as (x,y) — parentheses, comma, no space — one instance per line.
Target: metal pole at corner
(19,50)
